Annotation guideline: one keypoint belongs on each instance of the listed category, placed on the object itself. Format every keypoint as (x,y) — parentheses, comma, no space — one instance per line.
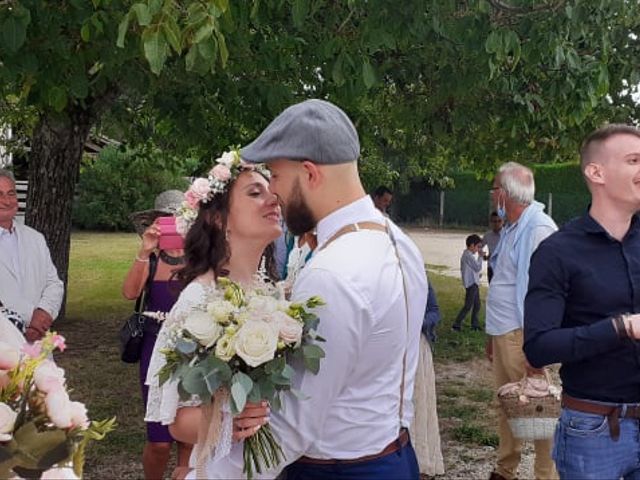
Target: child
(470,268)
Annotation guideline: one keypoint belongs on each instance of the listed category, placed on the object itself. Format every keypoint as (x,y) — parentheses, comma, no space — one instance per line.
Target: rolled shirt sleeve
(53,291)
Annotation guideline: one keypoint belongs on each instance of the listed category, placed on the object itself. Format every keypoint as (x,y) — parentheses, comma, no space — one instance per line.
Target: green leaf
(313,351)
(493,42)
(222,47)
(255,395)
(239,397)
(299,12)
(143,14)
(155,51)
(79,86)
(57,98)
(186,347)
(203,32)
(194,383)
(213,381)
(122,30)
(368,74)
(85,32)
(14,34)
(222,5)
(312,364)
(172,34)
(190,58)
(155,6)
(336,72)
(244,380)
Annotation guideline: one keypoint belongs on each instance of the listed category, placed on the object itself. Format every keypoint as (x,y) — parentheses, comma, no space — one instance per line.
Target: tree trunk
(54,162)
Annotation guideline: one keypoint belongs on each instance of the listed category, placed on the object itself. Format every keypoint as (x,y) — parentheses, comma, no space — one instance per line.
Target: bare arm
(137,275)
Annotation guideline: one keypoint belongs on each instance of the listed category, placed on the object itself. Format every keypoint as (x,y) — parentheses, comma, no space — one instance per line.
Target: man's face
(8,201)
(285,184)
(620,163)
(383,202)
(497,194)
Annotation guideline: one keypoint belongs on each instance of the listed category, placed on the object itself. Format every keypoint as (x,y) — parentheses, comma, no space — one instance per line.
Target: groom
(354,423)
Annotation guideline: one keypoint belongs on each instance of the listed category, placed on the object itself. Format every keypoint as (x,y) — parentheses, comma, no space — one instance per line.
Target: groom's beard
(297,213)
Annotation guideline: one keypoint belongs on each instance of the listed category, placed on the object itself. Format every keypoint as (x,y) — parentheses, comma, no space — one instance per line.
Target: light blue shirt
(508,288)
(470,268)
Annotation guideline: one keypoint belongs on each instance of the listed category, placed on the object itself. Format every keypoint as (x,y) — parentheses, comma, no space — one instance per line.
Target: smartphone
(170,239)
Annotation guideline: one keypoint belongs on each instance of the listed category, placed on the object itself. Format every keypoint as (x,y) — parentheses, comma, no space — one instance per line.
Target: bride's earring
(227,235)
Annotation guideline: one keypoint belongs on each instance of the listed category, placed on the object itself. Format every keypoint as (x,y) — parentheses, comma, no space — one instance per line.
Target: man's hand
(488,349)
(250,420)
(531,371)
(40,323)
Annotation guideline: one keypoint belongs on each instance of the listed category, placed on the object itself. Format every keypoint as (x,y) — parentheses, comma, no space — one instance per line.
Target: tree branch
(503,6)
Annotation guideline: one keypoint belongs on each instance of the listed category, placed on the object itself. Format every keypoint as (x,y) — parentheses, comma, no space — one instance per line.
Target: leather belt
(612,412)
(397,444)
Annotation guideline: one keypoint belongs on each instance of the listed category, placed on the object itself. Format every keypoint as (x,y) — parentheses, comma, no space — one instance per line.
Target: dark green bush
(119,182)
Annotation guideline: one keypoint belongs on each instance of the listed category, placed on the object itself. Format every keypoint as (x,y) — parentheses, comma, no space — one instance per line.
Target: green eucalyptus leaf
(255,395)
(239,397)
(244,380)
(313,351)
(312,364)
(186,347)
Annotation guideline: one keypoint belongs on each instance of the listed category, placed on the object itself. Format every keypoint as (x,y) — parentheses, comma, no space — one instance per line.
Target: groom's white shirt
(353,404)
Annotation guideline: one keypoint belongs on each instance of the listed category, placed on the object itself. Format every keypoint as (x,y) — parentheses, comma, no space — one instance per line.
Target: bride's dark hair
(206,246)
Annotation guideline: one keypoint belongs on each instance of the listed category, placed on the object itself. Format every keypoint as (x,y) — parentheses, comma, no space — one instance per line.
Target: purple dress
(161,297)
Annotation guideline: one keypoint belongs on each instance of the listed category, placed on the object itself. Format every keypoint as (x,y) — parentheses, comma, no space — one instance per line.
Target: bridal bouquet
(238,346)
(40,427)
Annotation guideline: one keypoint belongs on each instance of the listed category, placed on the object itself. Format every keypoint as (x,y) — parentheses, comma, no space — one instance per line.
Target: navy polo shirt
(580,277)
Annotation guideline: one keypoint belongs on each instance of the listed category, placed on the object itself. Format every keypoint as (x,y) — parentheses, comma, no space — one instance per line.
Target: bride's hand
(180,473)
(250,420)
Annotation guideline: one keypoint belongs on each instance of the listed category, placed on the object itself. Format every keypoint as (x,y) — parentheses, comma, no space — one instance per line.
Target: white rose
(226,347)
(220,311)
(65,473)
(228,159)
(7,421)
(9,356)
(48,377)
(59,408)
(263,307)
(289,329)
(79,416)
(203,328)
(256,342)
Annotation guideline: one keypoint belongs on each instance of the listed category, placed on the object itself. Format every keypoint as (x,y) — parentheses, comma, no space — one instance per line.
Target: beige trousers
(509,366)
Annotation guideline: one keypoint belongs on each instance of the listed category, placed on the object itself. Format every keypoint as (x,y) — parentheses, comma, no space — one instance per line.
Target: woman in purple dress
(161,295)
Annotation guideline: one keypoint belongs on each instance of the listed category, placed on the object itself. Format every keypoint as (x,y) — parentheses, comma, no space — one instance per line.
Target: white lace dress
(164,401)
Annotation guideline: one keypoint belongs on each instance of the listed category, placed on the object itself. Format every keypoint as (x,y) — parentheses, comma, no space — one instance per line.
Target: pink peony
(200,188)
(59,342)
(221,172)
(33,350)
(79,415)
(9,356)
(4,379)
(59,408)
(48,377)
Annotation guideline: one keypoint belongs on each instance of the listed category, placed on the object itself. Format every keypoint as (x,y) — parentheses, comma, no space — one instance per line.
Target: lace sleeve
(163,400)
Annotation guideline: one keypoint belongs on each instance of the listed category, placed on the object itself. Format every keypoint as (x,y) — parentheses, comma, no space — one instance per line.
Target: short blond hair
(599,136)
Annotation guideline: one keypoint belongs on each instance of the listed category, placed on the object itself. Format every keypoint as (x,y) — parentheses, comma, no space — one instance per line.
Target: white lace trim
(164,400)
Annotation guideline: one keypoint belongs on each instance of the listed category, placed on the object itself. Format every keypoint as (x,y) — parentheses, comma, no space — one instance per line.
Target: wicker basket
(535,420)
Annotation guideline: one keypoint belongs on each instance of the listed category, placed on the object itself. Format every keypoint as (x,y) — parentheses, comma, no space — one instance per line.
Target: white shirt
(353,403)
(28,278)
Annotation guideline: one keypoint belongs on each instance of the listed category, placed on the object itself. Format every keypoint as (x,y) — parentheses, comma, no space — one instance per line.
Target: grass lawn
(96,309)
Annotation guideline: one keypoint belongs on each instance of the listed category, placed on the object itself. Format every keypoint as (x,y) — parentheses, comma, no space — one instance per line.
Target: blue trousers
(583,448)
(400,465)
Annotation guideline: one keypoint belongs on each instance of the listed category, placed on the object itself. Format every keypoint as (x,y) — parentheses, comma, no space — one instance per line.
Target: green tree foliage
(120,182)
(430,84)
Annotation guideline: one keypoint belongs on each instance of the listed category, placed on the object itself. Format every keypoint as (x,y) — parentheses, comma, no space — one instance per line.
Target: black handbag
(133,329)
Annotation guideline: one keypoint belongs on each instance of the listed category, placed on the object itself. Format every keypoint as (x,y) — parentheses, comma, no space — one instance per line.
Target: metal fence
(471,208)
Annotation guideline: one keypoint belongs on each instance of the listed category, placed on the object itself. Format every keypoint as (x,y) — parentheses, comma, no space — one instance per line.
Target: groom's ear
(312,174)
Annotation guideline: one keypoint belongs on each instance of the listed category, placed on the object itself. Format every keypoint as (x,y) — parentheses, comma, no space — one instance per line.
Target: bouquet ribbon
(209,429)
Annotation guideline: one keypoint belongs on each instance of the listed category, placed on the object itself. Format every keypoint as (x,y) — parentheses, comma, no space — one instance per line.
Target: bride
(230,221)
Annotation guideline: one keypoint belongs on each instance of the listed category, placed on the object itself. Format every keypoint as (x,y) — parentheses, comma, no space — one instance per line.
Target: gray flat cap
(313,130)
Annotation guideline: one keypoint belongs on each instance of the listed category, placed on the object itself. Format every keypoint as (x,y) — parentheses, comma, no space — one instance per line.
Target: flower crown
(203,190)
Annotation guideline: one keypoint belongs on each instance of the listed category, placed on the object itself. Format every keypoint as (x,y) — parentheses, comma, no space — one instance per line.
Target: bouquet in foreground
(238,346)
(42,432)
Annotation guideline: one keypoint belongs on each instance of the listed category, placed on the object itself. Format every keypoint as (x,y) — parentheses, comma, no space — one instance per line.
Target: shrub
(119,182)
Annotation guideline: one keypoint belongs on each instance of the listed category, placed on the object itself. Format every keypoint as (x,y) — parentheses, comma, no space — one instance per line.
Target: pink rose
(9,356)
(79,415)
(200,188)
(221,172)
(48,377)
(289,329)
(192,199)
(59,408)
